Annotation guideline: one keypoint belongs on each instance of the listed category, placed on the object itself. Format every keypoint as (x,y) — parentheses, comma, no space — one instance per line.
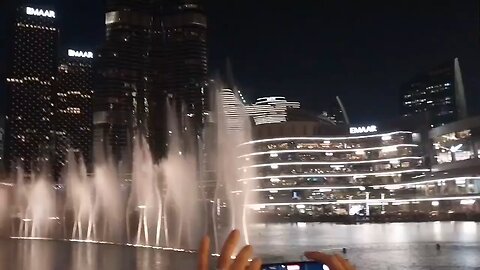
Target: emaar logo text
(366,129)
(74,53)
(40,12)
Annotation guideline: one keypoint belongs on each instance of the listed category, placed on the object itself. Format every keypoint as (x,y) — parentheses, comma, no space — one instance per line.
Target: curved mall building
(309,167)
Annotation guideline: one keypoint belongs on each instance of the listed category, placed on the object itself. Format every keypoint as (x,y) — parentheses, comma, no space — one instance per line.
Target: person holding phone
(241,262)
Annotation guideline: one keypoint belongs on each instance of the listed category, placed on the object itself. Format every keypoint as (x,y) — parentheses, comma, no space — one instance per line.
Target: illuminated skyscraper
(31,73)
(154,50)
(439,92)
(122,76)
(179,66)
(73,106)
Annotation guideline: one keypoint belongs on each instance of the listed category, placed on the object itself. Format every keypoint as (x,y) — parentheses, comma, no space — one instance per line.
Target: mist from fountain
(145,198)
(163,203)
(233,129)
(79,197)
(4,208)
(37,201)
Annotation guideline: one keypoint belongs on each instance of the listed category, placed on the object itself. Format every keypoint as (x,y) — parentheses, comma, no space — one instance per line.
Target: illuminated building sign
(365,129)
(82,54)
(40,12)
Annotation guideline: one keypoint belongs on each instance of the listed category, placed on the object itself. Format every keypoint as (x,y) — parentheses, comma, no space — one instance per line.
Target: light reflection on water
(377,246)
(370,247)
(57,255)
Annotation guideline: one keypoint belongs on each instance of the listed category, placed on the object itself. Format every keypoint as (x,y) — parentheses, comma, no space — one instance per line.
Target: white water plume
(160,203)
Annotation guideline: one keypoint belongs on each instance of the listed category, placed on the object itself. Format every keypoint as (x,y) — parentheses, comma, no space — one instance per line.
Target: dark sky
(313,50)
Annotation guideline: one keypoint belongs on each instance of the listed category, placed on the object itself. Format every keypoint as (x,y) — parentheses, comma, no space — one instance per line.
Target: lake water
(369,246)
(377,246)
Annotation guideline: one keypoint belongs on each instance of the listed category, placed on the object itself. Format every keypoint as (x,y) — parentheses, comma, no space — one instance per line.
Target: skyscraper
(179,65)
(439,92)
(154,50)
(122,76)
(73,106)
(31,73)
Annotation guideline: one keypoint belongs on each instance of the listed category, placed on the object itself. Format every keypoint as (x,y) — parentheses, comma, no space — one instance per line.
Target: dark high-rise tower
(438,92)
(73,106)
(179,65)
(154,50)
(122,76)
(31,73)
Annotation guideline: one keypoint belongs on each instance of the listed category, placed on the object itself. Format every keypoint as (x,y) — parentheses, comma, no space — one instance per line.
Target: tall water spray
(36,206)
(160,203)
(145,197)
(233,129)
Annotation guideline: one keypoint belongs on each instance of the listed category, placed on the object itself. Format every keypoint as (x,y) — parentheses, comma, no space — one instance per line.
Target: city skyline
(374,67)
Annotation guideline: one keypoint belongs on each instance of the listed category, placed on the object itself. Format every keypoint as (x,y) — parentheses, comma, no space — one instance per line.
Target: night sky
(313,50)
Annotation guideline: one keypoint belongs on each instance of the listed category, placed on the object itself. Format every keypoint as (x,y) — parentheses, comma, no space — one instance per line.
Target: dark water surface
(377,246)
(369,246)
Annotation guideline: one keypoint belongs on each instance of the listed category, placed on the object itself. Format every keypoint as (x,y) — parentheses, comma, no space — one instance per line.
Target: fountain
(164,203)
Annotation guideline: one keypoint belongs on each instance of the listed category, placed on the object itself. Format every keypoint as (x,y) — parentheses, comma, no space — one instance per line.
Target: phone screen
(295,266)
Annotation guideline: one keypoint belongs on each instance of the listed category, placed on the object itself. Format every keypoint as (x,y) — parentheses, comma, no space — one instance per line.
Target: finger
(228,248)
(204,253)
(344,262)
(256,264)
(331,261)
(241,261)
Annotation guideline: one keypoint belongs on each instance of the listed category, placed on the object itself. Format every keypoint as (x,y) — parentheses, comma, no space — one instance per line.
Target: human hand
(225,262)
(334,262)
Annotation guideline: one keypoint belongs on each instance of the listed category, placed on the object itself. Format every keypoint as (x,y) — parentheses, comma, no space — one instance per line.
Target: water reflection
(377,246)
(35,255)
(84,257)
(370,246)
(52,255)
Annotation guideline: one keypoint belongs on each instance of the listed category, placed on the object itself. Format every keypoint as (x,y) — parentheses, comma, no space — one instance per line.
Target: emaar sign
(40,12)
(74,53)
(365,129)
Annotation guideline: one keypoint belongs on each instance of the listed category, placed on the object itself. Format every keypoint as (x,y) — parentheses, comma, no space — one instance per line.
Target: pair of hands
(242,260)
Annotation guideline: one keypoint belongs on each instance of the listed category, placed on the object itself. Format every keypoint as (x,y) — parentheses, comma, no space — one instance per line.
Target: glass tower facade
(154,51)
(122,76)
(31,74)
(439,92)
(179,65)
(73,106)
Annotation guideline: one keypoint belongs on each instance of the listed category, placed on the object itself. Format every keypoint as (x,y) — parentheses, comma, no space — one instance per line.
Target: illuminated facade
(268,110)
(439,92)
(234,112)
(73,106)
(31,75)
(371,172)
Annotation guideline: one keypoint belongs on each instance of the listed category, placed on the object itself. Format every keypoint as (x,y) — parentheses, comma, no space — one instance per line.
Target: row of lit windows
(438,85)
(434,89)
(14,80)
(36,26)
(74,93)
(71,110)
(29,79)
(446,100)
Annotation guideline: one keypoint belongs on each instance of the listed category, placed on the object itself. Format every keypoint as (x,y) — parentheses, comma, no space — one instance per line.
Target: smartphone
(295,266)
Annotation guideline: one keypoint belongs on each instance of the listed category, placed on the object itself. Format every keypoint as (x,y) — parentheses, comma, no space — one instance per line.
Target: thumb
(204,253)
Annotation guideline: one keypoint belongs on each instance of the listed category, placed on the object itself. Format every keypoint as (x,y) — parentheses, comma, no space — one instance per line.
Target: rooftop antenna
(344,112)
(230,80)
